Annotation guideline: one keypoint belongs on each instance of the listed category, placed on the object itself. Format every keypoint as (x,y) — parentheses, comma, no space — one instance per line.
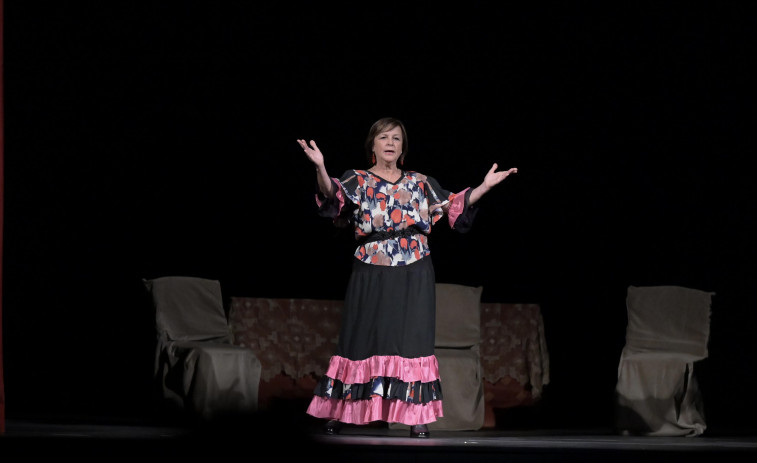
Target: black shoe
(419,430)
(333,427)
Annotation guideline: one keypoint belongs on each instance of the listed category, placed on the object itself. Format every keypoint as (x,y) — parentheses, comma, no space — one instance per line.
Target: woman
(384,366)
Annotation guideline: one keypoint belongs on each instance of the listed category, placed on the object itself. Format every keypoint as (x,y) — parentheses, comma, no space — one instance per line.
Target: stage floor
(364,443)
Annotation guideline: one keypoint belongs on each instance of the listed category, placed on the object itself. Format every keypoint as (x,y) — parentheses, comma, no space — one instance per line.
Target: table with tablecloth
(294,339)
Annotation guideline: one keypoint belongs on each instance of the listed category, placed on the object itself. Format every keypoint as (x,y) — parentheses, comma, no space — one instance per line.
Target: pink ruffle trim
(339,196)
(456,207)
(375,409)
(423,369)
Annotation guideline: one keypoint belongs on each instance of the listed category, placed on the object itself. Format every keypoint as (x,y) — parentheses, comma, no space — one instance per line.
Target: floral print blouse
(392,220)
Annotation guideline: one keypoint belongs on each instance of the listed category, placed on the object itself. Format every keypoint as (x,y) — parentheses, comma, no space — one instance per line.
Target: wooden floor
(277,439)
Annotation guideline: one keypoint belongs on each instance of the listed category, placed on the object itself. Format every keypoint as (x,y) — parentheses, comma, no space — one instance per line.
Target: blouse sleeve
(461,213)
(341,206)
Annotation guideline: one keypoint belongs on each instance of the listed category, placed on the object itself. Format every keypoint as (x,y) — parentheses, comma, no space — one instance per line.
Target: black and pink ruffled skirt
(384,368)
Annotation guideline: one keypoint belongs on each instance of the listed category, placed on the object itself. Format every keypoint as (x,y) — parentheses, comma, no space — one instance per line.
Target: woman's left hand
(493,177)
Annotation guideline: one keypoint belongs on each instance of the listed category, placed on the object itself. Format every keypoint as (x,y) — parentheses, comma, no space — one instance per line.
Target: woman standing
(384,366)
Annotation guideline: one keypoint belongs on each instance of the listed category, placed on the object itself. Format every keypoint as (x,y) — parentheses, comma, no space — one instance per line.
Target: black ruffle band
(386,388)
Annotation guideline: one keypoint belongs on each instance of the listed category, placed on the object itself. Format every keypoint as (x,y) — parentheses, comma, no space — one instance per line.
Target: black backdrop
(156,138)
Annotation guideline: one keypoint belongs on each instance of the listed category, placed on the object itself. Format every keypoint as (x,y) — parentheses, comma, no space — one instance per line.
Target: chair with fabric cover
(657,393)
(198,370)
(457,350)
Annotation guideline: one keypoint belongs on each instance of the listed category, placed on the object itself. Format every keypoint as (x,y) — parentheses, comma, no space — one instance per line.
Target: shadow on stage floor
(268,436)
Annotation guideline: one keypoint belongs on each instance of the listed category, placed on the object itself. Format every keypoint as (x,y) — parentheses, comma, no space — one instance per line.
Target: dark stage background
(158,138)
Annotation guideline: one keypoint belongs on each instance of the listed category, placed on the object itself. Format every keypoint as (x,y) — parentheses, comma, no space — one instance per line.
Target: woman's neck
(388,172)
(386,169)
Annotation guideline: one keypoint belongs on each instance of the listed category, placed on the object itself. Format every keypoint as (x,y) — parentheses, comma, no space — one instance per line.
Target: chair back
(668,319)
(458,315)
(189,309)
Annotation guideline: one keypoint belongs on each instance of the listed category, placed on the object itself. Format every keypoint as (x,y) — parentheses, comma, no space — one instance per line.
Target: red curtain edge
(2,202)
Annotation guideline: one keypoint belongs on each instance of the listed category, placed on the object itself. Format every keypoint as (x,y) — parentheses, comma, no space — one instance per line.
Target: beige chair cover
(197,367)
(463,389)
(657,391)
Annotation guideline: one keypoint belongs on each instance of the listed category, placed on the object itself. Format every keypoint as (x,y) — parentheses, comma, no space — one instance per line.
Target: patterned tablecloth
(513,345)
(291,336)
(296,338)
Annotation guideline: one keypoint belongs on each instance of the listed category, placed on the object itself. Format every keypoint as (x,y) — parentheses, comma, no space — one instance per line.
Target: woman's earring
(402,161)
(373,158)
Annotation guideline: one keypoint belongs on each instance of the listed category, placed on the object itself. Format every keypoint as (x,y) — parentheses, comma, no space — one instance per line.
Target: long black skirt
(384,367)
(389,311)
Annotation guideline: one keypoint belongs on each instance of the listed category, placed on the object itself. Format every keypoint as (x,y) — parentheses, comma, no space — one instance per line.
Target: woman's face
(387,146)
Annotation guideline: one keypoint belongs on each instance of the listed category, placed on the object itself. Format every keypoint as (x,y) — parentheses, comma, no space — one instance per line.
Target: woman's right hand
(314,154)
(325,184)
